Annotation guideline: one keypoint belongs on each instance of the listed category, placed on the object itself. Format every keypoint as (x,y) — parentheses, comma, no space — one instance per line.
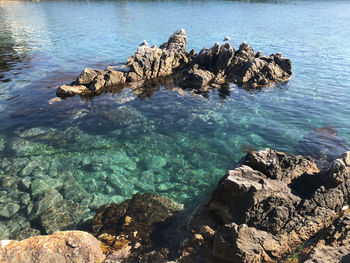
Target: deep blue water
(161,140)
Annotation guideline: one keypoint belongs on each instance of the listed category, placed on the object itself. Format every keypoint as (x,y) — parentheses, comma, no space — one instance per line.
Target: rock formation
(69,246)
(269,206)
(219,64)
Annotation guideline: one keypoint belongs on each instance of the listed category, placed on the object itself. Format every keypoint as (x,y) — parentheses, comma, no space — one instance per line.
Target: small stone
(39,186)
(121,185)
(25,198)
(164,187)
(28,169)
(8,183)
(5,163)
(8,210)
(4,230)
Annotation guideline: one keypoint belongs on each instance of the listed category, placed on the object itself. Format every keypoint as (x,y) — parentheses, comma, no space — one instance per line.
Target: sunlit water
(164,141)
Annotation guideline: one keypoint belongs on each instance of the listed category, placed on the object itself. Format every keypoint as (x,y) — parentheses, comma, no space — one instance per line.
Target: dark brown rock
(134,224)
(264,209)
(196,78)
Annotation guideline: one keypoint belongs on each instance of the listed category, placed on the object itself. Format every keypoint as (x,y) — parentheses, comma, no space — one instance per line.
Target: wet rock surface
(216,65)
(267,207)
(70,246)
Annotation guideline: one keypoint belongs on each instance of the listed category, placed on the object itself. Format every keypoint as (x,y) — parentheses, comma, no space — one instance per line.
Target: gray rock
(122,185)
(8,183)
(115,78)
(5,163)
(39,185)
(98,83)
(72,190)
(25,198)
(45,200)
(87,76)
(4,230)
(28,169)
(8,210)
(62,215)
(67,90)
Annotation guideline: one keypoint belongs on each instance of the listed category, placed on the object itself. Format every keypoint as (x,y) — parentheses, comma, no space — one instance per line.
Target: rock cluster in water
(216,65)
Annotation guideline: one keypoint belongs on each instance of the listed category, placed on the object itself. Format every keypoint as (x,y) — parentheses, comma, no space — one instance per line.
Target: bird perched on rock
(144,43)
(226,39)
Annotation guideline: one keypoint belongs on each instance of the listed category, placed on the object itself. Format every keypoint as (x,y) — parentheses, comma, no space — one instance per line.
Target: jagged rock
(334,244)
(196,78)
(267,207)
(114,77)
(69,246)
(218,64)
(87,76)
(98,83)
(135,222)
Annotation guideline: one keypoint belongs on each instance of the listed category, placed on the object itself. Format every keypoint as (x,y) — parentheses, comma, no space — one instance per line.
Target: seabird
(226,39)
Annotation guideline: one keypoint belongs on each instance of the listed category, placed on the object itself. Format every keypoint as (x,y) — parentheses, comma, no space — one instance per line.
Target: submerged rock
(70,246)
(267,207)
(218,64)
(323,145)
(138,225)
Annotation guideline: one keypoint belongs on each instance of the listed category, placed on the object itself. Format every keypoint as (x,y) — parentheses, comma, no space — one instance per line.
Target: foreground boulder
(142,229)
(69,246)
(216,65)
(269,206)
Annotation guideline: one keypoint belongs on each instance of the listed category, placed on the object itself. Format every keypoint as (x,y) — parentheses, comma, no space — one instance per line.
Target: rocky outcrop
(141,229)
(70,246)
(218,64)
(266,208)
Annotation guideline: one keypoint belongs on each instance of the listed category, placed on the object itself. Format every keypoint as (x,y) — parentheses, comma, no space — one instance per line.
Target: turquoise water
(157,139)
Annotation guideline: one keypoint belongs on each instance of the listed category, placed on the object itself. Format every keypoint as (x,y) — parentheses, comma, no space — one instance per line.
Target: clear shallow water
(159,140)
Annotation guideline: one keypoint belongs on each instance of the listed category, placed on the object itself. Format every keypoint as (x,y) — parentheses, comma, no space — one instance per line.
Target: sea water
(157,139)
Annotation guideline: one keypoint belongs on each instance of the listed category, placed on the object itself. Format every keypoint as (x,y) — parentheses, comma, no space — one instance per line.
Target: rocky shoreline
(210,67)
(274,207)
